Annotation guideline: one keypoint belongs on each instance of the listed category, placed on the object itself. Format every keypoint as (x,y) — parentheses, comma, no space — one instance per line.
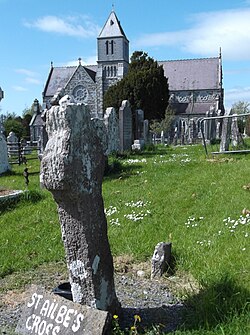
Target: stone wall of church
(83,89)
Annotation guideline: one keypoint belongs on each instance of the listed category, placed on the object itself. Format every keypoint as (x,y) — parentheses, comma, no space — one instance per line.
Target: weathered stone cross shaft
(72,169)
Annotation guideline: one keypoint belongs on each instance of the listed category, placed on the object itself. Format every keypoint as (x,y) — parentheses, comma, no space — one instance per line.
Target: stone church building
(195,85)
(87,84)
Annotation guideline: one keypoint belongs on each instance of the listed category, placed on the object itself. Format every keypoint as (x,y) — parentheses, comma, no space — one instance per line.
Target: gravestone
(225,134)
(191,131)
(125,126)
(112,126)
(12,144)
(161,259)
(139,119)
(162,137)
(4,164)
(139,141)
(45,313)
(235,132)
(72,170)
(146,134)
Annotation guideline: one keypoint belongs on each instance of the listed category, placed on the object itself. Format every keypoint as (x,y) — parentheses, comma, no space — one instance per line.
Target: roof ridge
(187,59)
(64,67)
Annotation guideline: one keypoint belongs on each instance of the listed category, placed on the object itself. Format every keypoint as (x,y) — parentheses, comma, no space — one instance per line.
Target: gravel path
(149,299)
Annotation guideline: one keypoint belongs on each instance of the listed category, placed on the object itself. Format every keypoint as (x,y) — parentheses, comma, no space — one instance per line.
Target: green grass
(184,198)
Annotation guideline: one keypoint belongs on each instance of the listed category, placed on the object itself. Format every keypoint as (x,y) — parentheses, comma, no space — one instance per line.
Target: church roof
(112,28)
(59,77)
(36,120)
(192,74)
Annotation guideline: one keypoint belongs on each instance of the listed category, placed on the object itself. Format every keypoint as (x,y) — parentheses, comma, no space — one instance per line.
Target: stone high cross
(72,170)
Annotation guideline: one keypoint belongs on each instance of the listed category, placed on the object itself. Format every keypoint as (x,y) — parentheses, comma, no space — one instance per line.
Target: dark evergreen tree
(145,86)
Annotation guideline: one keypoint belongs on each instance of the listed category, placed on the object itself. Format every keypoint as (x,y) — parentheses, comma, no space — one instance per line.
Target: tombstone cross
(72,169)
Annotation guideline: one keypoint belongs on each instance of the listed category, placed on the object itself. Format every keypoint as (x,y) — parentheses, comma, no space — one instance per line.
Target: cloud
(26,72)
(32,81)
(20,88)
(229,29)
(30,77)
(236,94)
(71,26)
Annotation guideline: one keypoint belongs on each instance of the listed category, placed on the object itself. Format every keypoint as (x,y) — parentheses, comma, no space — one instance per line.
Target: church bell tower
(113,57)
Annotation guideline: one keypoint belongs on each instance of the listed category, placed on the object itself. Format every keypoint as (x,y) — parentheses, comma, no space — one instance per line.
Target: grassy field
(171,194)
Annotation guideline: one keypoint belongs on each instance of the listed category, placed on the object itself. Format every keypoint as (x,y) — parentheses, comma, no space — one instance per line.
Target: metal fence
(231,135)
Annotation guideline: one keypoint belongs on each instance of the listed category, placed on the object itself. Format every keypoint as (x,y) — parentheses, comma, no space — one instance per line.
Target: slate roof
(59,77)
(112,27)
(192,74)
(37,120)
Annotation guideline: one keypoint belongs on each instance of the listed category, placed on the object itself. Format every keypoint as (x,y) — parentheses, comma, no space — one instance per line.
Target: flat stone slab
(45,313)
(9,194)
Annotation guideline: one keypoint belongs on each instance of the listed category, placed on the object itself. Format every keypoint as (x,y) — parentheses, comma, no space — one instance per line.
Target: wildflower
(115,317)
(137,318)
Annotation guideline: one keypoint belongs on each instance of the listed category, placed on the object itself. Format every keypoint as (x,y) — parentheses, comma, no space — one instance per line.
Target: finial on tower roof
(220,53)
(113,7)
(80,61)
(51,64)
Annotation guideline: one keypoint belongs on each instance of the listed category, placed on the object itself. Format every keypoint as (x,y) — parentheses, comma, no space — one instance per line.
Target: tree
(14,124)
(145,86)
(242,107)
(157,126)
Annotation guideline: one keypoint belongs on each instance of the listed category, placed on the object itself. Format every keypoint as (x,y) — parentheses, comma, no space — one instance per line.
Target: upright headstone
(162,137)
(72,169)
(191,131)
(225,134)
(4,164)
(161,259)
(12,144)
(125,126)
(235,134)
(139,142)
(218,124)
(212,114)
(112,126)
(146,134)
(139,119)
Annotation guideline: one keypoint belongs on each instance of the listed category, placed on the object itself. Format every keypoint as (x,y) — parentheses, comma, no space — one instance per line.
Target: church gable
(82,87)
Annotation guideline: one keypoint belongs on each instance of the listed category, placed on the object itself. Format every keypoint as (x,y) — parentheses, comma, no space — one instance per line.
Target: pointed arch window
(112,47)
(107,47)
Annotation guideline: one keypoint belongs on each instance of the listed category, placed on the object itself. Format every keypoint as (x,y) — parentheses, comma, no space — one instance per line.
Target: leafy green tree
(15,125)
(145,86)
(242,107)
(157,126)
